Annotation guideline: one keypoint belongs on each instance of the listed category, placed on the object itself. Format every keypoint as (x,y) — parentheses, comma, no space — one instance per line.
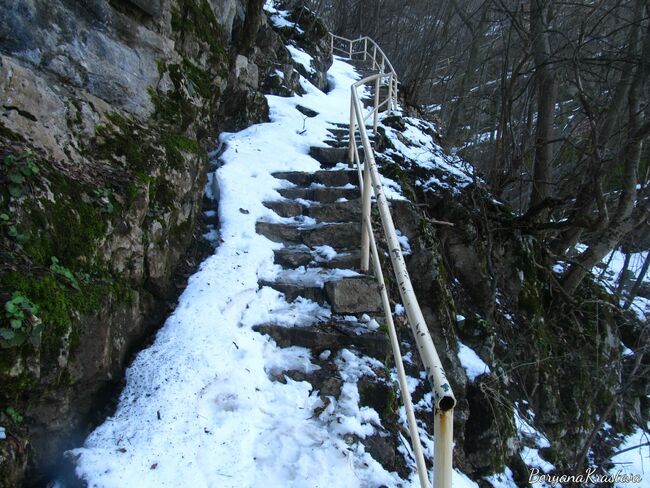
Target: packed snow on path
(199,408)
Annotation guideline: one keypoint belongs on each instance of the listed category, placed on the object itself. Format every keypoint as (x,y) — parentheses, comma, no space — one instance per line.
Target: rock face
(115,104)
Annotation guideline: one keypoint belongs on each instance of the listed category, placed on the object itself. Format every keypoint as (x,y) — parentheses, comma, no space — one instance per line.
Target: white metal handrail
(369,183)
(380,63)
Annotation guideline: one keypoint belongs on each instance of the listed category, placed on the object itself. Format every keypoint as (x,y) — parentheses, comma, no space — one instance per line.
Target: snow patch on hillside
(414,145)
(474,366)
(609,272)
(636,460)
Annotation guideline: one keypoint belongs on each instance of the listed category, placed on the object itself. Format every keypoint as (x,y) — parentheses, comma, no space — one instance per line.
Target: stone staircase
(322,239)
(320,232)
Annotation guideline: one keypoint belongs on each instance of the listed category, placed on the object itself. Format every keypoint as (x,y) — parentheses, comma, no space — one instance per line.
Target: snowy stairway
(319,229)
(320,233)
(320,252)
(340,136)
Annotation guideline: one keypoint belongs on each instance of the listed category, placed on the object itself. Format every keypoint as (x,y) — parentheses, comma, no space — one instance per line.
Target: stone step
(328,337)
(322,195)
(328,178)
(354,295)
(341,132)
(344,140)
(292,291)
(340,236)
(339,125)
(342,136)
(330,156)
(334,143)
(343,143)
(375,391)
(294,257)
(350,260)
(286,208)
(349,211)
(284,233)
(344,236)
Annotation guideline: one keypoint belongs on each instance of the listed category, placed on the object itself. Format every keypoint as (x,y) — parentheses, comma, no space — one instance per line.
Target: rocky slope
(108,111)
(560,379)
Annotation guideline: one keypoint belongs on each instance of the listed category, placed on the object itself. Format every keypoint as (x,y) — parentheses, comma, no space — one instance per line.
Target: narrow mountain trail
(229,394)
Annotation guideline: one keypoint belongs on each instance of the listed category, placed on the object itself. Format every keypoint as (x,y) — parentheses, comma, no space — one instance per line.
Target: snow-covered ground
(471,362)
(415,144)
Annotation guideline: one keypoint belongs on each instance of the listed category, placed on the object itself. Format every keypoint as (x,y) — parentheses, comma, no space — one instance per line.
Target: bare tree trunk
(478,35)
(605,242)
(546,95)
(585,199)
(622,280)
(627,217)
(635,289)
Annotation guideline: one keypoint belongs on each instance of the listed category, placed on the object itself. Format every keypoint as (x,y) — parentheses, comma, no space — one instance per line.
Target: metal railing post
(395,93)
(350,56)
(376,116)
(374,55)
(332,43)
(444,398)
(352,130)
(399,365)
(365,216)
(443,431)
(390,93)
(365,48)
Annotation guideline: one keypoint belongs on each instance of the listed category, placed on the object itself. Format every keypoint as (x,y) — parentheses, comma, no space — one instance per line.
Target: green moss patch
(196,17)
(68,229)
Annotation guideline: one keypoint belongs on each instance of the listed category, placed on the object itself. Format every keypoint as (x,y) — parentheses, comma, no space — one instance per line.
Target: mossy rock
(196,18)
(395,121)
(490,430)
